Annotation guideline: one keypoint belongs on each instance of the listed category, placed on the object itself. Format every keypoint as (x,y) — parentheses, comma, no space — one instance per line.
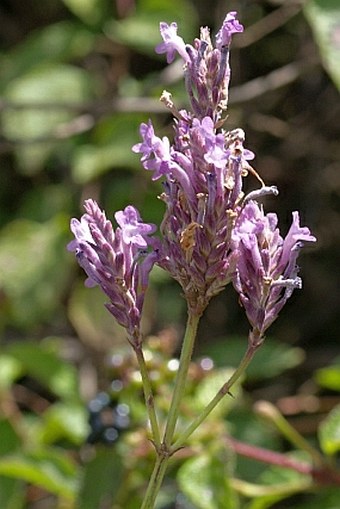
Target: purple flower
(155,151)
(203,172)
(229,27)
(207,71)
(118,261)
(266,272)
(172,43)
(212,232)
(134,231)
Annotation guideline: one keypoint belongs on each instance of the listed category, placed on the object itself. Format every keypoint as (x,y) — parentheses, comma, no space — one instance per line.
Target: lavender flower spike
(119,262)
(202,168)
(206,69)
(266,272)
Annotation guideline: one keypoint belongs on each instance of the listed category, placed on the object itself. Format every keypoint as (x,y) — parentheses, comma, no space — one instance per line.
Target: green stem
(155,482)
(148,395)
(163,451)
(271,413)
(180,383)
(248,356)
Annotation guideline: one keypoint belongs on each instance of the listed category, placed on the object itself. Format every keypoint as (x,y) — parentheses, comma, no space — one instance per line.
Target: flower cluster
(207,71)
(266,272)
(118,261)
(212,234)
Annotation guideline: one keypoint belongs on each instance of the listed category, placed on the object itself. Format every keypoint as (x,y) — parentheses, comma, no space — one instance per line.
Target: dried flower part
(266,273)
(118,261)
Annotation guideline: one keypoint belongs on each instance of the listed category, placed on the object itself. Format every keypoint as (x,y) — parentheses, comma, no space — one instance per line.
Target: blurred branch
(91,113)
(272,81)
(268,24)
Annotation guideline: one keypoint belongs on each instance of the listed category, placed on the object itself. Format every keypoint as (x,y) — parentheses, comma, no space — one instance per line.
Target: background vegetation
(76,79)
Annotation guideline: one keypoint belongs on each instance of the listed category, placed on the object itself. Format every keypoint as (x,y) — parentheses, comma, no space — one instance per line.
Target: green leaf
(47,84)
(12,493)
(245,426)
(329,377)
(94,325)
(209,387)
(329,432)
(11,490)
(64,421)
(56,43)
(10,370)
(89,11)
(113,139)
(52,471)
(44,202)
(41,363)
(205,481)
(9,439)
(276,475)
(324,18)
(141,31)
(270,360)
(101,481)
(279,483)
(34,270)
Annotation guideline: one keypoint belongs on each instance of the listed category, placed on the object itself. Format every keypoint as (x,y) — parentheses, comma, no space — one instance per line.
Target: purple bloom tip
(134,231)
(171,43)
(229,27)
(266,271)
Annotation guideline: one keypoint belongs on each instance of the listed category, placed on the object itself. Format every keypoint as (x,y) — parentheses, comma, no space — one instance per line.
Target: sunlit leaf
(329,432)
(34,269)
(205,481)
(10,370)
(59,42)
(33,125)
(270,360)
(324,18)
(49,470)
(114,138)
(329,377)
(89,11)
(141,31)
(275,475)
(47,367)
(64,421)
(209,387)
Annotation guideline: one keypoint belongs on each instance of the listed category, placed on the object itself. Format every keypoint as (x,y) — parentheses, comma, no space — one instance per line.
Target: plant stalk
(148,395)
(164,450)
(248,356)
(180,383)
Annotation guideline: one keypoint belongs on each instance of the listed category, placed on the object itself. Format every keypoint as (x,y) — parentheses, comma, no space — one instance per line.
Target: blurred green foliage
(76,79)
